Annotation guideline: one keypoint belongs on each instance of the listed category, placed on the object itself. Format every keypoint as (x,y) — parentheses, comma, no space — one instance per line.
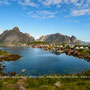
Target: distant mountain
(58,38)
(88,42)
(15,35)
(83,42)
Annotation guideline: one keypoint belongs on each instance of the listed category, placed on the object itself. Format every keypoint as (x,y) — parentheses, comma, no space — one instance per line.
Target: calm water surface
(39,62)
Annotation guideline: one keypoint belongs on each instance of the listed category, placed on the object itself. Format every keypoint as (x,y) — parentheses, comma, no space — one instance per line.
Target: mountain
(58,38)
(83,42)
(15,35)
(88,42)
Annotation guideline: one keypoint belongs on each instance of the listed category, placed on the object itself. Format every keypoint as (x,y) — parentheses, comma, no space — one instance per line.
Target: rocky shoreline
(79,52)
(11,57)
(5,56)
(59,49)
(71,50)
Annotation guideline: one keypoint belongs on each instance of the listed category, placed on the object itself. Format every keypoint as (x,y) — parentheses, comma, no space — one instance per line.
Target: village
(79,51)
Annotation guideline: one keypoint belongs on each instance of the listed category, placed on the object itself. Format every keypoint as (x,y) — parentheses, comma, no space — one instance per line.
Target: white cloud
(75,7)
(41,14)
(34,3)
(57,1)
(74,1)
(72,21)
(80,12)
(77,3)
(14,0)
(4,2)
(88,24)
(50,2)
(1,31)
(27,3)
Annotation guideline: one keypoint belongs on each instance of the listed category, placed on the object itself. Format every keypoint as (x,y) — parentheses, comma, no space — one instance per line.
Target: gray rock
(57,84)
(22,88)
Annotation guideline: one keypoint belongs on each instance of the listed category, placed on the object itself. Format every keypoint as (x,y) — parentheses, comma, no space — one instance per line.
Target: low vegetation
(5,56)
(37,42)
(47,83)
(3,53)
(84,52)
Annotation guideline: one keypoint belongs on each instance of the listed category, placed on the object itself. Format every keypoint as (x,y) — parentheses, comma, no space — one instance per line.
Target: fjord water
(40,62)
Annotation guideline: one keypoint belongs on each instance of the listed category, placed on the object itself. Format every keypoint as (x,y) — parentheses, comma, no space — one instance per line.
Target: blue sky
(42,17)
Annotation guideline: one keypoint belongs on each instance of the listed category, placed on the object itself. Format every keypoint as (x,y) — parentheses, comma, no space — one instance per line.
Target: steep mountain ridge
(15,35)
(58,38)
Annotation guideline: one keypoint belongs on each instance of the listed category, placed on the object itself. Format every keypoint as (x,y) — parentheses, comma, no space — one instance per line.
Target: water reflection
(39,62)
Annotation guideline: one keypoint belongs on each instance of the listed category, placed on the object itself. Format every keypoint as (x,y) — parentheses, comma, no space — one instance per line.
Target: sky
(42,17)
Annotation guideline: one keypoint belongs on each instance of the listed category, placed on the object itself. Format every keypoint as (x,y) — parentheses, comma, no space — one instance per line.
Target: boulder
(57,84)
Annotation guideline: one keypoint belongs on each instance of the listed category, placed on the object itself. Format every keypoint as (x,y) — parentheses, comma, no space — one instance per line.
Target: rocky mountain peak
(15,35)
(16,29)
(73,38)
(58,38)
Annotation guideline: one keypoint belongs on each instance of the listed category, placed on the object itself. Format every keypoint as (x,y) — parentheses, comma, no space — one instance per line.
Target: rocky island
(5,56)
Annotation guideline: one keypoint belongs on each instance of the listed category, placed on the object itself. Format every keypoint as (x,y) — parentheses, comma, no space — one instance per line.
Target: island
(5,56)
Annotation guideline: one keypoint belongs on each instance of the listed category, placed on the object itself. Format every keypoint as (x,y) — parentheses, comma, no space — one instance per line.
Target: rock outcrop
(73,39)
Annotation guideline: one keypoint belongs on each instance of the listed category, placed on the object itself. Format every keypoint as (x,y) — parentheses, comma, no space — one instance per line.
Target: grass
(5,56)
(3,53)
(37,42)
(45,83)
(84,52)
